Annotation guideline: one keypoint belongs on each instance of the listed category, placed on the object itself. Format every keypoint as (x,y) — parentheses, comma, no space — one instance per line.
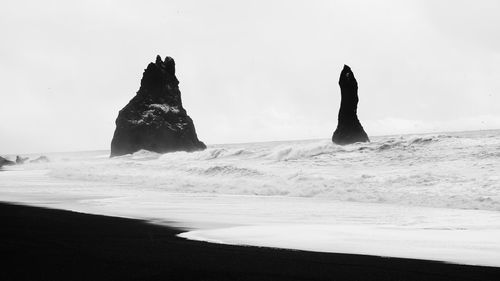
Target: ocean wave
(225,170)
(430,170)
(410,142)
(297,152)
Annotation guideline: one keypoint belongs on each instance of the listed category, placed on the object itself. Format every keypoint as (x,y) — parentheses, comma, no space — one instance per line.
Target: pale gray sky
(248,70)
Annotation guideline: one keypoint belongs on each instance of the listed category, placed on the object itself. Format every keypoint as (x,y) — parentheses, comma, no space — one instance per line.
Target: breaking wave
(456,170)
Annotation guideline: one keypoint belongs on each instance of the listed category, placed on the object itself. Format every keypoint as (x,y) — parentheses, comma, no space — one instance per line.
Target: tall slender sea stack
(154,119)
(349,130)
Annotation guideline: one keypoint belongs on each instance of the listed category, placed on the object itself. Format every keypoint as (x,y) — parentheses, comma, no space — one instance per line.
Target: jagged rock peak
(349,129)
(347,78)
(168,65)
(159,76)
(155,119)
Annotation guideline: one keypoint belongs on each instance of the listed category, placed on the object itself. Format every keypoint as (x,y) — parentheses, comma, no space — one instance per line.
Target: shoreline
(51,244)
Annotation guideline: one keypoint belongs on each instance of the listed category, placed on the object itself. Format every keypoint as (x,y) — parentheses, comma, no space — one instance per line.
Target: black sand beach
(47,244)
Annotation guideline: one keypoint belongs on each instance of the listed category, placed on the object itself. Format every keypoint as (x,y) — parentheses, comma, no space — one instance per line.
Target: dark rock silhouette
(349,130)
(154,119)
(41,159)
(6,162)
(20,159)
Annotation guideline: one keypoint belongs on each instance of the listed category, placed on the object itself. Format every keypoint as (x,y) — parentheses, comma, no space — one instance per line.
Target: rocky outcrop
(20,159)
(349,130)
(154,119)
(6,162)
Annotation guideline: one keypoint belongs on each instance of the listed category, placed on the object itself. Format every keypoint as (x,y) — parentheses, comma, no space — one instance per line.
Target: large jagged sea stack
(154,119)
(349,130)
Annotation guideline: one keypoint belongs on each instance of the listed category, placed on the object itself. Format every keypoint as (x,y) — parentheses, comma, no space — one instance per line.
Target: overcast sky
(248,70)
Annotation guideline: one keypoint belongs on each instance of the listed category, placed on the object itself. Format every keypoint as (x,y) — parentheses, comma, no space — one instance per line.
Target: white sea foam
(396,196)
(462,245)
(453,170)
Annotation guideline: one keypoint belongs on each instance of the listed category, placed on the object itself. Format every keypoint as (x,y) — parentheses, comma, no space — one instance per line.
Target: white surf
(434,196)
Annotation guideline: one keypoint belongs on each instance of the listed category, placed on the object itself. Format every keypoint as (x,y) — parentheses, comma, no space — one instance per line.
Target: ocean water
(432,196)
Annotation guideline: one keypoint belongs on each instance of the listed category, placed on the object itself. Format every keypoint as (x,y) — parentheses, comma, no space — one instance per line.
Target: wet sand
(47,244)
